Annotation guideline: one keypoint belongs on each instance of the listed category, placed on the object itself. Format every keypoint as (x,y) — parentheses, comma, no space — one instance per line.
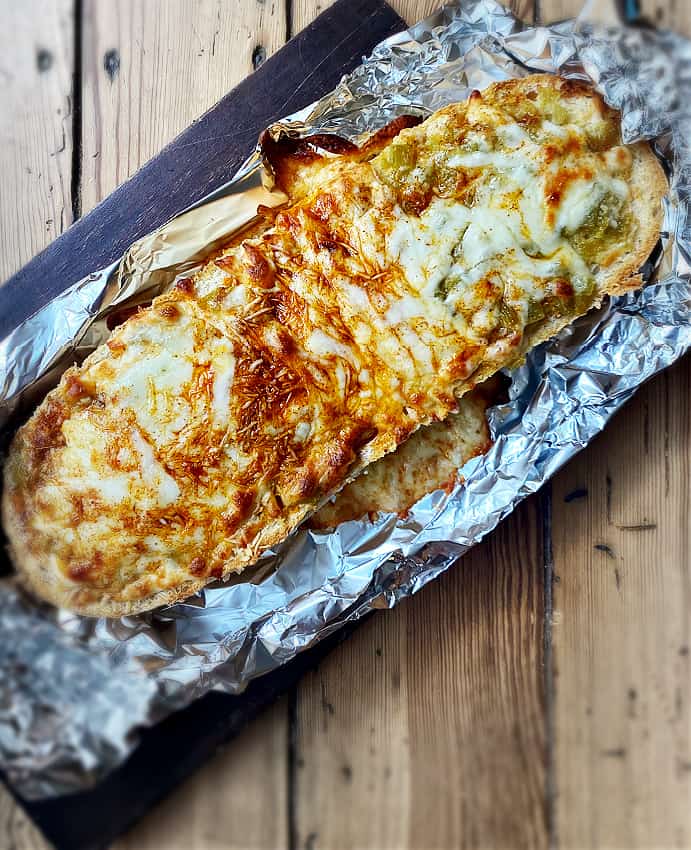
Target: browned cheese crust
(430,460)
(397,278)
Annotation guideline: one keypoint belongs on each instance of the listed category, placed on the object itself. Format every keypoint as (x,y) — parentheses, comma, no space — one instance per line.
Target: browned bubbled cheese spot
(46,432)
(116,346)
(258,266)
(74,388)
(324,207)
(197,566)
(168,311)
(86,571)
(185,286)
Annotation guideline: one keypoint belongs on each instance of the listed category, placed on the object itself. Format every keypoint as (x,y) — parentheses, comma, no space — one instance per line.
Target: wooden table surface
(538,695)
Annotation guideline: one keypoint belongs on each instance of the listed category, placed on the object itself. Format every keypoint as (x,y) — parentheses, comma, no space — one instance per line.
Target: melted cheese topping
(428,461)
(215,421)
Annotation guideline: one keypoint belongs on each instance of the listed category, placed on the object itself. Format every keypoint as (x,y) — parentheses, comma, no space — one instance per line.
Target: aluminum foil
(74,691)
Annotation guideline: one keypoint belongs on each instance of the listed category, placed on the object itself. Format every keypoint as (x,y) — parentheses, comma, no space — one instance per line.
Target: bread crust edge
(649,185)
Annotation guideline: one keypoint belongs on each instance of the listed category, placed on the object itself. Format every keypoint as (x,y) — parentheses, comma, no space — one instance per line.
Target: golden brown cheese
(399,276)
(430,460)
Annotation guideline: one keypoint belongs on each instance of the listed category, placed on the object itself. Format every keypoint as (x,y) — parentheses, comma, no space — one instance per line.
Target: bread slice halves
(398,276)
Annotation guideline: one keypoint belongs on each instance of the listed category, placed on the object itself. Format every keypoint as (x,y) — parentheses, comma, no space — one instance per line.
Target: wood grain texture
(475,652)
(151,68)
(622,629)
(670,14)
(305,11)
(237,801)
(17,832)
(36,59)
(557,10)
(622,597)
(425,729)
(352,744)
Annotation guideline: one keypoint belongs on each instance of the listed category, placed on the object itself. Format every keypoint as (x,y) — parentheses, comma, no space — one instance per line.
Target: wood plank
(475,650)
(150,68)
(352,743)
(304,11)
(36,57)
(17,832)
(426,728)
(668,14)
(662,13)
(621,628)
(329,59)
(36,48)
(237,801)
(558,10)
(621,613)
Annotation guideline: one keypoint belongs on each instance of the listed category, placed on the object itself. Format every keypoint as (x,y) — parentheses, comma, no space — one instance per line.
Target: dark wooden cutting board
(202,158)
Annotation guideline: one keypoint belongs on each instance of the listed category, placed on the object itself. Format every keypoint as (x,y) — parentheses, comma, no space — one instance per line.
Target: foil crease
(74,691)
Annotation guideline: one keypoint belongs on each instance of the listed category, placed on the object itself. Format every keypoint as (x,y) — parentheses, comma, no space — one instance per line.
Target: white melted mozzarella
(236,297)
(210,280)
(482,159)
(153,368)
(419,350)
(404,309)
(84,445)
(489,234)
(153,474)
(366,236)
(357,296)
(423,245)
(508,231)
(513,135)
(582,196)
(302,431)
(224,372)
(324,346)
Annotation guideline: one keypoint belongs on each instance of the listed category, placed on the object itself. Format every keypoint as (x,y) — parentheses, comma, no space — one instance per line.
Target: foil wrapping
(74,691)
